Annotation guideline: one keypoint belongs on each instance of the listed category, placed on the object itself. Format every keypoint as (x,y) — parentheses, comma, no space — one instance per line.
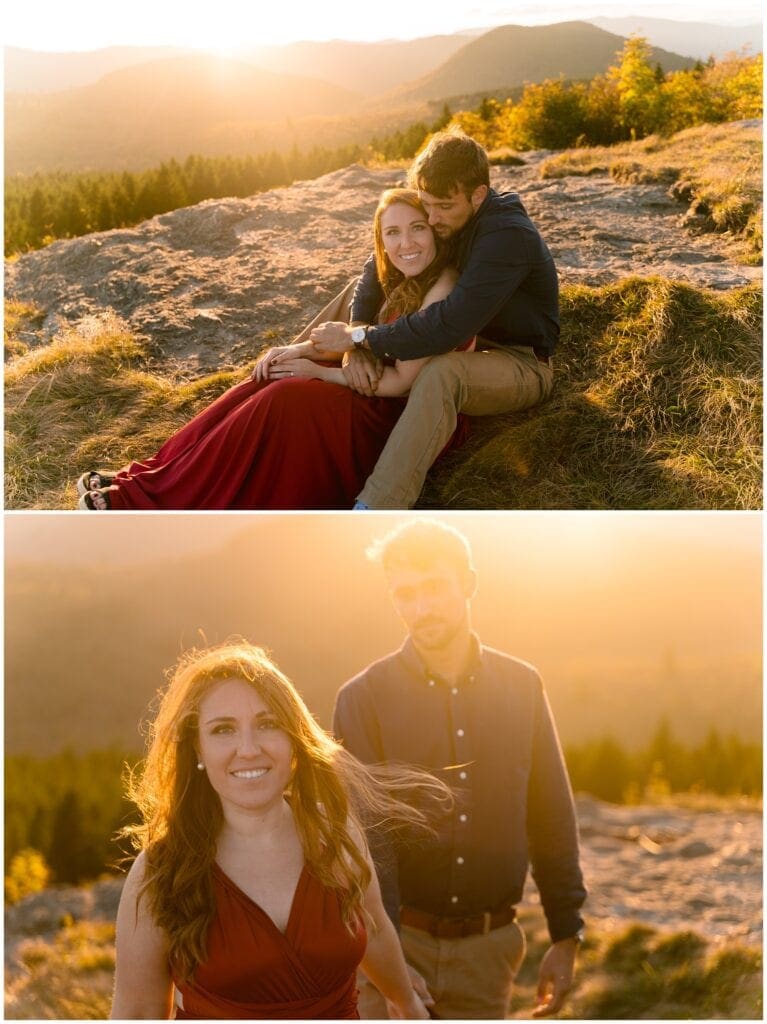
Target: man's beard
(434,634)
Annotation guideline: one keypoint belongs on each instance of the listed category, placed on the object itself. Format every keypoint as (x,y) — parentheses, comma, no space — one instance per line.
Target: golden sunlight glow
(231,26)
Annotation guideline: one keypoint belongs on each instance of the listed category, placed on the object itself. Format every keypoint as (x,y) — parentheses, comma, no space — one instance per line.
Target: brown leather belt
(456,927)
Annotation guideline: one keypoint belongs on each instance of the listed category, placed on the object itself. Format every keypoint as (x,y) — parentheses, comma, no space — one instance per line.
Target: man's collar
(415,666)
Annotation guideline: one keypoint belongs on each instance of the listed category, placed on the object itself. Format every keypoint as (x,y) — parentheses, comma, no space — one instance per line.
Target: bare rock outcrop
(208,286)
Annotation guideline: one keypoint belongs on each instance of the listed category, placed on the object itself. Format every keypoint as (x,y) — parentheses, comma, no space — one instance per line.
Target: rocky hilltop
(208,286)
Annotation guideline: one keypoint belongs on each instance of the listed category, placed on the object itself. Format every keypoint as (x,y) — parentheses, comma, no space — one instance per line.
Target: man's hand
(362,371)
(419,986)
(555,978)
(333,336)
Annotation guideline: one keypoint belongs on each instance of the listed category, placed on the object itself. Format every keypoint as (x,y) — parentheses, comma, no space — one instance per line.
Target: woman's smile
(248,758)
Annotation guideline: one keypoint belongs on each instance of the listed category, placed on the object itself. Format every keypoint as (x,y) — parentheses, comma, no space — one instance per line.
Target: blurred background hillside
(631,619)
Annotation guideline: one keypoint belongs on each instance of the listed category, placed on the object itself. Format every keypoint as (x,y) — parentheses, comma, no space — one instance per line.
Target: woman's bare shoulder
(442,286)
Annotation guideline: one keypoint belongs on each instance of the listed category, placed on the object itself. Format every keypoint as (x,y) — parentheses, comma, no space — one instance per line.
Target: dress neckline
(293,903)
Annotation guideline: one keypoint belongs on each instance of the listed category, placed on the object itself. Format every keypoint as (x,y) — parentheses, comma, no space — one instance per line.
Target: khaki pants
(483,383)
(470,979)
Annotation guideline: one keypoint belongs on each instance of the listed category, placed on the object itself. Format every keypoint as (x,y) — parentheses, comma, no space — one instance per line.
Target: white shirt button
(460,732)
(431,682)
(459,860)
(454,691)
(453,899)
(463,817)
(463,775)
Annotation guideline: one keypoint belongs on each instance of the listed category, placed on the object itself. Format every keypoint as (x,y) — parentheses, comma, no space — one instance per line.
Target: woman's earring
(200,766)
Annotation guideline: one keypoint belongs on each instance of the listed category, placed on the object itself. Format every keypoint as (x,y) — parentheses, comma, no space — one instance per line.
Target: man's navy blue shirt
(507,291)
(492,738)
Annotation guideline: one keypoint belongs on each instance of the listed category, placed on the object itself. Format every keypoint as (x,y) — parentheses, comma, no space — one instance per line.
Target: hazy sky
(228,24)
(568,539)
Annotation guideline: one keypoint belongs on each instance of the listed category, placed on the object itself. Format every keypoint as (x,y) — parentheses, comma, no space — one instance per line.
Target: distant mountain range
(515,54)
(365,68)
(128,108)
(143,114)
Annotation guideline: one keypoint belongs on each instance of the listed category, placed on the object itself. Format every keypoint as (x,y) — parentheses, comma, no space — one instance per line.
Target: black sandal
(85,482)
(88,504)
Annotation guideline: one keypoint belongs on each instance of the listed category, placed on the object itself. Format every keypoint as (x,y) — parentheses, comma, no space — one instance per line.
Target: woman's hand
(263,367)
(265,360)
(294,368)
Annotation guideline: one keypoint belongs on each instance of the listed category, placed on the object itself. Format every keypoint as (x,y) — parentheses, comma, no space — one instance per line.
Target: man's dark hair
(451,162)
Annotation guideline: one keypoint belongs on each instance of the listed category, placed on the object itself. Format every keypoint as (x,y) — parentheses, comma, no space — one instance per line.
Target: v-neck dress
(254,971)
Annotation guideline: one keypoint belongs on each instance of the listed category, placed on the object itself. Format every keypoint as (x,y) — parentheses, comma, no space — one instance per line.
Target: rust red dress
(293,443)
(254,971)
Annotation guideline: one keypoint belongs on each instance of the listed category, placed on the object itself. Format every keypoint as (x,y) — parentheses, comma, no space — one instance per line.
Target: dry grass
(716,169)
(84,402)
(639,973)
(69,978)
(657,405)
(632,974)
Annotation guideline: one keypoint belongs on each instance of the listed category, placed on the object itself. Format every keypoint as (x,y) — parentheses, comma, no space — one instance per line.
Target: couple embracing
(455,314)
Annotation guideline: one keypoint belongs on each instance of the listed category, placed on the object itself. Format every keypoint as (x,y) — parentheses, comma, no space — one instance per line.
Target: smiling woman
(253,894)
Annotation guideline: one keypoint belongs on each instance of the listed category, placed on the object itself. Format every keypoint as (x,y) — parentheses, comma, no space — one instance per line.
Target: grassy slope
(657,405)
(635,973)
(717,169)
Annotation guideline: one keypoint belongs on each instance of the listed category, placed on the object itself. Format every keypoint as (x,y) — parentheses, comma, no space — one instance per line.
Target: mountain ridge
(29,70)
(145,114)
(573,50)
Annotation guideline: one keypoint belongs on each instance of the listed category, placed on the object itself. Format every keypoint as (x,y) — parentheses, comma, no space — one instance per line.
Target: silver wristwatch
(358,336)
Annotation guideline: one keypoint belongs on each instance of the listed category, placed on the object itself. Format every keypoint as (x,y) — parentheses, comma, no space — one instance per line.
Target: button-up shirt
(491,736)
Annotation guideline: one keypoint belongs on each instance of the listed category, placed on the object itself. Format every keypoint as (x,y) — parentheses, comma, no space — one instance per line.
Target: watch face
(358,335)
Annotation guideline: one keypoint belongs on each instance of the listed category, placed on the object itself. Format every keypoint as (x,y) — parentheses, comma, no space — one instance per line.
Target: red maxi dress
(292,443)
(255,972)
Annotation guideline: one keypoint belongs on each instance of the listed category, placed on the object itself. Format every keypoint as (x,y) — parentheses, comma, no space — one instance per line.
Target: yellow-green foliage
(67,979)
(633,99)
(657,404)
(27,873)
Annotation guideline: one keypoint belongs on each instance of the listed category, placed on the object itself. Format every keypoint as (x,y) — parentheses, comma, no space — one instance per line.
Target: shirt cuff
(564,925)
